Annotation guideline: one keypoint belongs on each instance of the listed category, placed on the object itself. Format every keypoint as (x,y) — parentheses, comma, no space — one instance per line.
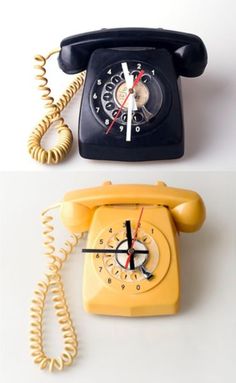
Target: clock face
(129,262)
(128,106)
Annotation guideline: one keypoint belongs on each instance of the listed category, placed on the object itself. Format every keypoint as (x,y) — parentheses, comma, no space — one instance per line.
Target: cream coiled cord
(53,283)
(65,137)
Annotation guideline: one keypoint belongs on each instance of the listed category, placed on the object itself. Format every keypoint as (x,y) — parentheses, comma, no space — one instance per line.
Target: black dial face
(118,99)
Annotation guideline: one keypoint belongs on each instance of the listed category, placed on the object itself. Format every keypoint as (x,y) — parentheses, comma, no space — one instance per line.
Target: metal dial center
(139,259)
(141,93)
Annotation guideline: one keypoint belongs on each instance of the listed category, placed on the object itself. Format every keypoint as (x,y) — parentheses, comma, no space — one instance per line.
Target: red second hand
(134,239)
(138,78)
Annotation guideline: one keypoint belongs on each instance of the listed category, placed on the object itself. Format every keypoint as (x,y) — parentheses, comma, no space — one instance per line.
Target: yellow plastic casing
(169,209)
(186,206)
(163,298)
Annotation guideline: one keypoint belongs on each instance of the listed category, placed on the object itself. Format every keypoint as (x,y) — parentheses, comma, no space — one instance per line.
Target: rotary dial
(128,256)
(113,105)
(144,263)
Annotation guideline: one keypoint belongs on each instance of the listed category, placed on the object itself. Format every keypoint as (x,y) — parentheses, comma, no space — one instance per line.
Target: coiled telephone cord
(53,283)
(53,116)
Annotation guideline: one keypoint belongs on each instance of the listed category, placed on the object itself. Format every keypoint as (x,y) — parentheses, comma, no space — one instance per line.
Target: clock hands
(129,79)
(131,250)
(129,119)
(131,91)
(128,234)
(112,251)
(129,239)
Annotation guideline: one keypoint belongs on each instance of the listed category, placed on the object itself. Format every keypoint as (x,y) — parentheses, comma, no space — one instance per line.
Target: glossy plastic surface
(162,137)
(186,207)
(188,50)
(110,299)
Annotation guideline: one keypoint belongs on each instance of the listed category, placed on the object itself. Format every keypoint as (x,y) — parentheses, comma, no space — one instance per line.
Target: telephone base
(161,310)
(166,152)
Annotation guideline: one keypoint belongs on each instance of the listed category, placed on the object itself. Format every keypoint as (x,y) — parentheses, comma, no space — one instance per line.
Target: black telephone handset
(188,50)
(131,107)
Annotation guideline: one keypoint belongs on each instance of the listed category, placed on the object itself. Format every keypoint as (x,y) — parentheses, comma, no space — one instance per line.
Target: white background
(30,27)
(197,345)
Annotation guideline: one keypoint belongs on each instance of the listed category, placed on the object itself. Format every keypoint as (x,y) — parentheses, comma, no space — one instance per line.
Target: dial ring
(155,107)
(113,275)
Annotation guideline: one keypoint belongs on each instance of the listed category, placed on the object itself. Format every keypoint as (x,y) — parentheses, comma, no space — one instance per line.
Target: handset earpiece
(75,217)
(189,216)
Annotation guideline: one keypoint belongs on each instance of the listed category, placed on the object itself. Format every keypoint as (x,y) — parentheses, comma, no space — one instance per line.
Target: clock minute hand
(126,74)
(129,79)
(138,78)
(129,118)
(134,239)
(113,251)
(129,82)
(128,233)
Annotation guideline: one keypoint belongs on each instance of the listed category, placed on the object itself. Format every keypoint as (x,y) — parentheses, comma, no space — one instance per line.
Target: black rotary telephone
(131,105)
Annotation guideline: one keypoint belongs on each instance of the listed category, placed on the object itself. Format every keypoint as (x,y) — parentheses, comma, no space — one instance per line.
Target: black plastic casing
(188,50)
(173,53)
(164,141)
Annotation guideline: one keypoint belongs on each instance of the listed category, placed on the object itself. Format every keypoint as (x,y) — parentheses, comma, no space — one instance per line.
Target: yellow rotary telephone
(131,257)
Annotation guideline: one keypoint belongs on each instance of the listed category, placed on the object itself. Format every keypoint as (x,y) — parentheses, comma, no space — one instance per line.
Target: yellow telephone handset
(131,257)
(186,207)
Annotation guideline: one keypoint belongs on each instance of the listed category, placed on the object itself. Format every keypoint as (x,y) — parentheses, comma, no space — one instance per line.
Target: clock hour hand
(129,239)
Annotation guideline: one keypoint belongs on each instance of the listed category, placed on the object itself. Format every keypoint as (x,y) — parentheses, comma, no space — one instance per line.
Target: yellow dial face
(150,256)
